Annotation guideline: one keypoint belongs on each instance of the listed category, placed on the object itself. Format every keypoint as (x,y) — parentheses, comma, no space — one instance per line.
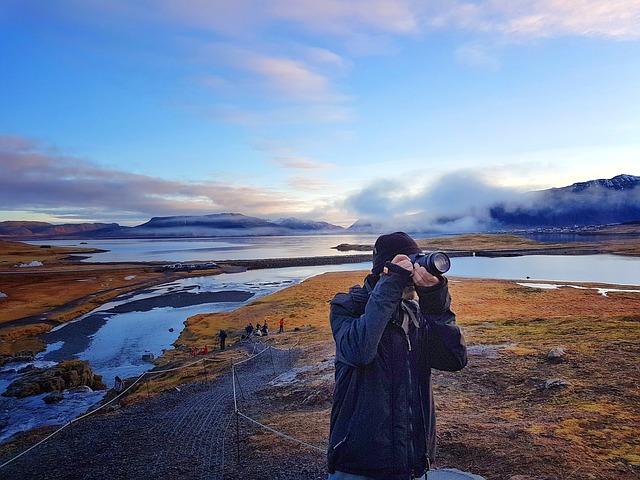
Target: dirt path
(189,433)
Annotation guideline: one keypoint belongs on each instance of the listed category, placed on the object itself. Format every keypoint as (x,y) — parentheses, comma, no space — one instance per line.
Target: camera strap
(409,315)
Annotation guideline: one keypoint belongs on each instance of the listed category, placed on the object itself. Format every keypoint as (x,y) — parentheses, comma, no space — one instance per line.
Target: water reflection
(614,269)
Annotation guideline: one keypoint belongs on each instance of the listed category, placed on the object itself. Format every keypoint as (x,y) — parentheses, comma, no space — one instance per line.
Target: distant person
(205,350)
(389,333)
(258,330)
(195,351)
(118,385)
(281,330)
(223,337)
(248,330)
(265,329)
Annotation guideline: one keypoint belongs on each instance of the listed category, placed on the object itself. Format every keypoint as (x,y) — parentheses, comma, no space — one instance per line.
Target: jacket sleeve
(447,347)
(357,335)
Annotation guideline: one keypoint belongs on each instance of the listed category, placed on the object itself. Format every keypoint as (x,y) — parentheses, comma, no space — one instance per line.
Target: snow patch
(51,347)
(291,376)
(3,295)
(490,351)
(602,291)
(130,277)
(35,263)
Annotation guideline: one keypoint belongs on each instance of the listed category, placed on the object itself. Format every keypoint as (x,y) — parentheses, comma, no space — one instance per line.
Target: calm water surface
(577,268)
(215,249)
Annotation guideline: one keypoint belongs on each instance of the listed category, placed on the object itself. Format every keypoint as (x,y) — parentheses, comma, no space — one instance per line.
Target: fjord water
(613,269)
(215,249)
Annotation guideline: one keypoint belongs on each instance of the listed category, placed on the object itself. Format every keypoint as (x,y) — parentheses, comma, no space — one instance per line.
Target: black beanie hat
(388,246)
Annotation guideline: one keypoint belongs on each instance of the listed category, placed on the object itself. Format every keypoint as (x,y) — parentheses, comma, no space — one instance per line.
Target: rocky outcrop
(63,376)
(23,356)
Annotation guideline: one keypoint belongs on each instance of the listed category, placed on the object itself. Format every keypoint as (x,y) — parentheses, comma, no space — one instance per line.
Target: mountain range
(596,202)
(216,225)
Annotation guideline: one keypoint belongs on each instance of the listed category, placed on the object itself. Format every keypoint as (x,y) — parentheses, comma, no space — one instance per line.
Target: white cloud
(477,55)
(291,78)
(58,185)
(338,16)
(251,19)
(304,183)
(301,163)
(618,19)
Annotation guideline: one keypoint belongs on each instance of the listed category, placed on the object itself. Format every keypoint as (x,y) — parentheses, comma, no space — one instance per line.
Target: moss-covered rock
(65,375)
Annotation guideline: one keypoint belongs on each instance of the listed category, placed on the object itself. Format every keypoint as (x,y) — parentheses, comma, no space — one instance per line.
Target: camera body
(436,263)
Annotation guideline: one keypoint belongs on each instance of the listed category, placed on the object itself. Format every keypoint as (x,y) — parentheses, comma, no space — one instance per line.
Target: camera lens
(438,263)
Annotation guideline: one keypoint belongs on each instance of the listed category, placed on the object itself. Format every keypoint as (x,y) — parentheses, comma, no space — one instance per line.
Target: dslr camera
(436,263)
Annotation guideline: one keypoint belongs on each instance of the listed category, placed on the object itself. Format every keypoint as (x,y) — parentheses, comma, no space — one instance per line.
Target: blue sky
(329,110)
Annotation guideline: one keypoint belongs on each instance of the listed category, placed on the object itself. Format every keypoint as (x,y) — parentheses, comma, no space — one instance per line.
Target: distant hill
(308,225)
(596,202)
(226,224)
(19,229)
(216,225)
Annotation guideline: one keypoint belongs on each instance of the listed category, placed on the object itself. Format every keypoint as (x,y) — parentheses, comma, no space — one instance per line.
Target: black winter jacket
(383,415)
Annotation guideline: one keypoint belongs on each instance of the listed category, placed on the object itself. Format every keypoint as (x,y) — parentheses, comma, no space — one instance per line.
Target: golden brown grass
(13,253)
(496,414)
(497,242)
(481,242)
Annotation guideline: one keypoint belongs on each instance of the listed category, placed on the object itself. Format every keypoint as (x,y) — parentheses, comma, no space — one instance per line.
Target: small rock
(53,397)
(556,383)
(28,368)
(112,407)
(147,357)
(81,389)
(556,355)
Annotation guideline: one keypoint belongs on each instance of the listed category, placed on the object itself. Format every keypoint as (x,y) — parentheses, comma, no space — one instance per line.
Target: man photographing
(389,333)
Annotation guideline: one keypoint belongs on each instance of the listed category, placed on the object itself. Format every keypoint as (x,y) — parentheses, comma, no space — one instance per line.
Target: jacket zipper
(340,443)
(410,410)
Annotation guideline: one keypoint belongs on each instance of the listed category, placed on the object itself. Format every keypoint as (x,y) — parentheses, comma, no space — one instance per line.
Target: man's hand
(403,261)
(421,278)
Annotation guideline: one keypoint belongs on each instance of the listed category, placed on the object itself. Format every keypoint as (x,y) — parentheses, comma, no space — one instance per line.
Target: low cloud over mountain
(467,203)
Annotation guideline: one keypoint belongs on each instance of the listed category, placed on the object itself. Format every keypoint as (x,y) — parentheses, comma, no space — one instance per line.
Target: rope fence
(284,435)
(236,411)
